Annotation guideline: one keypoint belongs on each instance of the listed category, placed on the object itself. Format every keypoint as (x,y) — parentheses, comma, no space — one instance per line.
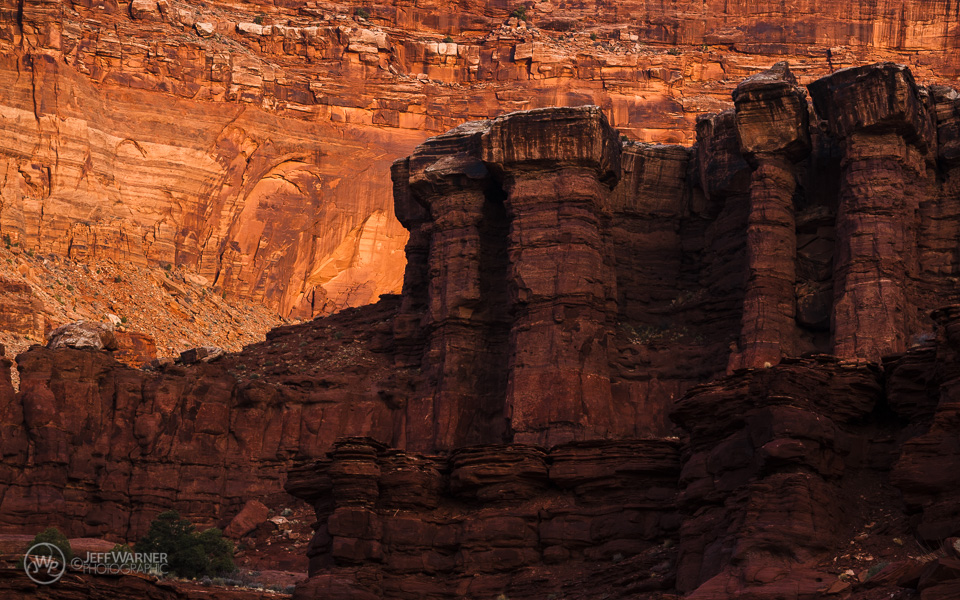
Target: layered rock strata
(924,391)
(793,475)
(888,135)
(485,519)
(566,287)
(763,484)
(518,243)
(250,143)
(773,128)
(97,448)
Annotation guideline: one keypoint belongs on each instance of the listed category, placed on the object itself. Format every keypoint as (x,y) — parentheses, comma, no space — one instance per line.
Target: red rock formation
(465,321)
(528,264)
(773,127)
(250,143)
(98,448)
(509,519)
(559,270)
(20,312)
(888,133)
(135,349)
(929,464)
(763,478)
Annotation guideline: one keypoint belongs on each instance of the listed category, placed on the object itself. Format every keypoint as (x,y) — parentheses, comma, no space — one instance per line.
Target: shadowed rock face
(600,345)
(775,460)
(886,126)
(520,247)
(517,246)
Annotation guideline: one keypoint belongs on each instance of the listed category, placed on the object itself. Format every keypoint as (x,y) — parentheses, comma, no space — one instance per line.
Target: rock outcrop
(511,519)
(888,136)
(83,334)
(250,143)
(765,487)
(649,368)
(773,127)
(517,243)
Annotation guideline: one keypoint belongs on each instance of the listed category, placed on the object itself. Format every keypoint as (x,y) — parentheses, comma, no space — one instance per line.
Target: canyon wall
(642,368)
(250,144)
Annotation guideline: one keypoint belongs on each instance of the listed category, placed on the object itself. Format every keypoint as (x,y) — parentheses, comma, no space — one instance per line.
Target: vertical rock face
(783,475)
(465,313)
(928,470)
(484,520)
(505,420)
(773,127)
(250,143)
(889,138)
(522,256)
(520,287)
(242,197)
(775,450)
(558,168)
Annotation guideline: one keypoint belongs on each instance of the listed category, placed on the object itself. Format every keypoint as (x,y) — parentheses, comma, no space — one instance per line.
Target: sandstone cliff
(250,144)
(614,366)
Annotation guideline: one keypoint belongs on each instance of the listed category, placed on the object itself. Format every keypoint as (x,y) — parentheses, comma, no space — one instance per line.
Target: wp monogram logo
(44,563)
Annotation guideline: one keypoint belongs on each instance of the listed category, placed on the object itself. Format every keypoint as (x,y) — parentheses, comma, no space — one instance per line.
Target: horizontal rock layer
(485,518)
(568,298)
(251,143)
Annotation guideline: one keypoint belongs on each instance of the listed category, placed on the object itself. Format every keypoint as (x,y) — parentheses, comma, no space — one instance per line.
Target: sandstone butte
(250,143)
(616,370)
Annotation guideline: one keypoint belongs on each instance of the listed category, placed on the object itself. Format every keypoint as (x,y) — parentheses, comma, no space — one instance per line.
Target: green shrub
(674,51)
(121,554)
(593,36)
(872,571)
(189,554)
(258,19)
(52,535)
(520,12)
(448,40)
(362,13)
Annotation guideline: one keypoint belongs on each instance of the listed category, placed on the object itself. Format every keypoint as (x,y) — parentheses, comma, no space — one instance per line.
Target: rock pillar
(557,168)
(773,127)
(887,131)
(462,363)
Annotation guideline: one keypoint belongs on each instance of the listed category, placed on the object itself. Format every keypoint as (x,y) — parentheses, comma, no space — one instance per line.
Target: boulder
(83,335)
(253,514)
(201,354)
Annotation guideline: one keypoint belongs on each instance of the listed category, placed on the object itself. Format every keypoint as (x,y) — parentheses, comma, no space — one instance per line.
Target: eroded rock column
(773,127)
(940,214)
(462,362)
(416,218)
(557,167)
(887,130)
(724,177)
